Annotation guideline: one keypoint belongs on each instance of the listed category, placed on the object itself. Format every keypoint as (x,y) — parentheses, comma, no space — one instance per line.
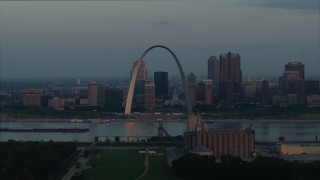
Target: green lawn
(127,164)
(158,169)
(115,164)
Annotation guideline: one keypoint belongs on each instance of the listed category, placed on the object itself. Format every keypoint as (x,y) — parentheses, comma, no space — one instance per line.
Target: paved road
(146,164)
(74,169)
(83,163)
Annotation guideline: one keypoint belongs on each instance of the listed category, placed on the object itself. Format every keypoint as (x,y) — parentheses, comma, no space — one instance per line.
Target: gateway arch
(135,74)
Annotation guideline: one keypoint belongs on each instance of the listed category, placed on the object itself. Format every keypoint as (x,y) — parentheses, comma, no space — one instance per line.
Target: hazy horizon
(103,38)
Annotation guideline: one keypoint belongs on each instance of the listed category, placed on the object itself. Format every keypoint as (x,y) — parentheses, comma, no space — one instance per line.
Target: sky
(103,38)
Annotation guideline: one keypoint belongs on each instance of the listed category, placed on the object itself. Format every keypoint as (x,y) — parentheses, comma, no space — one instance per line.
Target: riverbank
(157,120)
(154,118)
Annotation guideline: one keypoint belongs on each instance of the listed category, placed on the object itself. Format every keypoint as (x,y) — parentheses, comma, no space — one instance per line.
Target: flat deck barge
(65,130)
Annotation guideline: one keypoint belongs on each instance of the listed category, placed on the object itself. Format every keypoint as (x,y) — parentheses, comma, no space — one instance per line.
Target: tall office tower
(201,94)
(292,86)
(230,78)
(32,97)
(149,92)
(295,66)
(142,73)
(256,91)
(161,83)
(92,93)
(138,96)
(114,99)
(213,73)
(192,80)
(192,83)
(208,91)
(101,93)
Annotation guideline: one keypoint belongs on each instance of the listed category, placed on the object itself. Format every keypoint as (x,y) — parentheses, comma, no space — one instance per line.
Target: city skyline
(56,39)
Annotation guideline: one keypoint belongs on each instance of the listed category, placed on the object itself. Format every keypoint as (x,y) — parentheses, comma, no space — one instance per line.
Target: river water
(265,130)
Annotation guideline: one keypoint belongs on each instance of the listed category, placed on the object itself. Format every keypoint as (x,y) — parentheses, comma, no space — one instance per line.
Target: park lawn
(114,173)
(115,164)
(158,170)
(127,164)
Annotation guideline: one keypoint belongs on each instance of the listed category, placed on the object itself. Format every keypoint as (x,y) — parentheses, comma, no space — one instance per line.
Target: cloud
(309,5)
(162,23)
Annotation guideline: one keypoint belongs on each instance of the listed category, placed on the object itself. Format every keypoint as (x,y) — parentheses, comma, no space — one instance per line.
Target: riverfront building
(32,97)
(313,148)
(223,142)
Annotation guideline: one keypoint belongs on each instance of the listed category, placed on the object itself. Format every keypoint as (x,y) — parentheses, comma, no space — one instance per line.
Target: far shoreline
(264,120)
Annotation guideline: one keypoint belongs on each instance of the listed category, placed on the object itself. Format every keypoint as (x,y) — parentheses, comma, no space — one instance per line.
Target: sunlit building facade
(142,72)
(32,97)
(92,93)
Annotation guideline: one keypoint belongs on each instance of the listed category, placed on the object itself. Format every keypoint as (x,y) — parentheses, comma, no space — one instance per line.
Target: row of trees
(194,166)
(239,112)
(32,160)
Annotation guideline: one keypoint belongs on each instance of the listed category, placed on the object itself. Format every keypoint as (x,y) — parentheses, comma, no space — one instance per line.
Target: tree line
(32,160)
(194,166)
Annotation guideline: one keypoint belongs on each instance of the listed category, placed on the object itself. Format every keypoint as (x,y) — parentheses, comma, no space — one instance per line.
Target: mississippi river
(265,130)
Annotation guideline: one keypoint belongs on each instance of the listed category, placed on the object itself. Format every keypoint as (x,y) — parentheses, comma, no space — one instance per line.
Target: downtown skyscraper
(230,80)
(214,73)
(161,83)
(292,84)
(143,71)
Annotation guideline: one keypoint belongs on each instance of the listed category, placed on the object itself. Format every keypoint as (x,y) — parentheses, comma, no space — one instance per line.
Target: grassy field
(158,170)
(126,164)
(115,164)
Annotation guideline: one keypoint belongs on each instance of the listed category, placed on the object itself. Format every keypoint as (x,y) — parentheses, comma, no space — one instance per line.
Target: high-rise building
(209,93)
(32,97)
(101,93)
(92,93)
(295,66)
(213,73)
(230,78)
(113,98)
(256,91)
(149,98)
(142,73)
(138,96)
(56,103)
(292,83)
(201,94)
(161,83)
(192,79)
